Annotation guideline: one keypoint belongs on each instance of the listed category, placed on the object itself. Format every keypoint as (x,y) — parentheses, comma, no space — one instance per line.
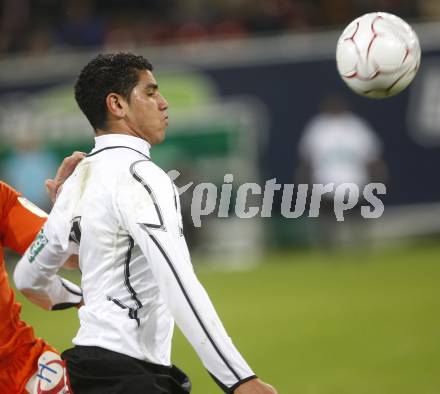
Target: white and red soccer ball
(378,55)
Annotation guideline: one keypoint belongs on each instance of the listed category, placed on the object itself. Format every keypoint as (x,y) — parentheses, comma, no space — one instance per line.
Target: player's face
(147,109)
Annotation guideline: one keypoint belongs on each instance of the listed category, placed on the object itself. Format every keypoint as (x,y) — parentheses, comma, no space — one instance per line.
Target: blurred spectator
(430,9)
(190,32)
(28,167)
(14,24)
(407,9)
(336,12)
(81,28)
(229,29)
(40,41)
(121,33)
(118,23)
(337,147)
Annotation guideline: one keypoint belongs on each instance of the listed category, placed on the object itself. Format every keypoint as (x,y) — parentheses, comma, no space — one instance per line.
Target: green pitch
(319,323)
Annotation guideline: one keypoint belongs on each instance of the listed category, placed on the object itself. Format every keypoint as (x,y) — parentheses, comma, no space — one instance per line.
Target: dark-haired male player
(137,278)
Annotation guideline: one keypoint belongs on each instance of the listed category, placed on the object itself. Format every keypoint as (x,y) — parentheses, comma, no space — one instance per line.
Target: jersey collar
(109,140)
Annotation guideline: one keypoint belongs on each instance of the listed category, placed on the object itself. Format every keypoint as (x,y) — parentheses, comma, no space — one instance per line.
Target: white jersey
(123,213)
(339,148)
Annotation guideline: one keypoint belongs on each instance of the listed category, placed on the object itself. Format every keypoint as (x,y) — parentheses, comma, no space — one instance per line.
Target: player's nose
(163,103)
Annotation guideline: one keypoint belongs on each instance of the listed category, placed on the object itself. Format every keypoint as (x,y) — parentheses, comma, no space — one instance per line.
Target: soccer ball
(378,55)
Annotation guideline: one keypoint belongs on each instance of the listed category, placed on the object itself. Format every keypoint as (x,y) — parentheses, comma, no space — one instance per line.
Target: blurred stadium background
(243,78)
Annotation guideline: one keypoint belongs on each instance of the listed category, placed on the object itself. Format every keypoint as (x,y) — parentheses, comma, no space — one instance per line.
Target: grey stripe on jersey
(161,225)
(182,288)
(132,312)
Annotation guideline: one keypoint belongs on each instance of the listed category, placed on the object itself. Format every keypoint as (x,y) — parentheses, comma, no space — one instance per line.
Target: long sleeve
(36,272)
(150,211)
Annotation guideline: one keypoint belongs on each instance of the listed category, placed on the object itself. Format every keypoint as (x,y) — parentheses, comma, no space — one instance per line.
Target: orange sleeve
(20,220)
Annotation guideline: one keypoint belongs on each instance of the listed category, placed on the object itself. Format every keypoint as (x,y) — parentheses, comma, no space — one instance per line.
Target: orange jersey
(20,222)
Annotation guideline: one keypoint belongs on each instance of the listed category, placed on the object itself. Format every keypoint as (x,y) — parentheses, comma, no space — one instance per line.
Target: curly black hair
(107,73)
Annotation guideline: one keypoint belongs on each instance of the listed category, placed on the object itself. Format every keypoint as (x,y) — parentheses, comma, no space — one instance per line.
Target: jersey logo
(75,230)
(37,246)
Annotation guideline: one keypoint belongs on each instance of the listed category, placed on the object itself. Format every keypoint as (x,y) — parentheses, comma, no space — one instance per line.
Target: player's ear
(116,105)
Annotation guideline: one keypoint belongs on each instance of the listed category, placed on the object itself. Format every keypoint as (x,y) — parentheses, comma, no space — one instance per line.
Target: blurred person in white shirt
(337,147)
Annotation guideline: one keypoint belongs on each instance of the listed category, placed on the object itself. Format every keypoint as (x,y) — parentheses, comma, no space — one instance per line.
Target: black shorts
(94,370)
